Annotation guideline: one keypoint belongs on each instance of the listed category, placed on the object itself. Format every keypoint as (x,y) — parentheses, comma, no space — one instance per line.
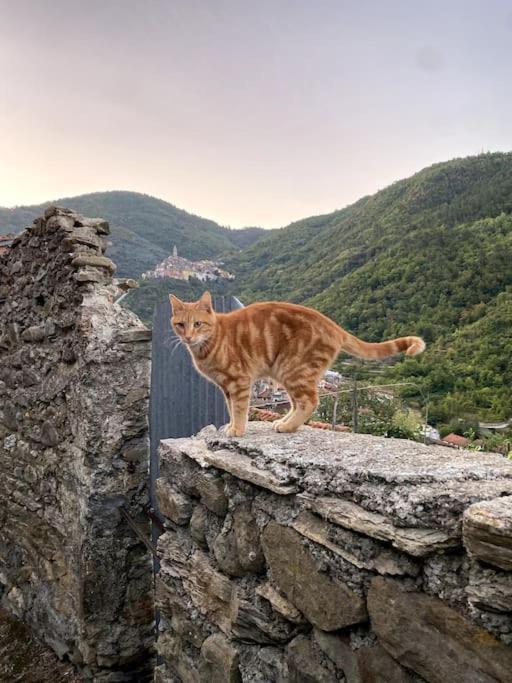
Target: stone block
(241,466)
(325,601)
(172,504)
(247,539)
(488,531)
(362,552)
(489,589)
(305,663)
(219,660)
(93,261)
(280,604)
(366,664)
(415,541)
(36,333)
(255,622)
(424,634)
(226,553)
(211,490)
(134,334)
(198,522)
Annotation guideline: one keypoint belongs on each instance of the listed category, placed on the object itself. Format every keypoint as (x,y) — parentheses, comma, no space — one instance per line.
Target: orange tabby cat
(293,345)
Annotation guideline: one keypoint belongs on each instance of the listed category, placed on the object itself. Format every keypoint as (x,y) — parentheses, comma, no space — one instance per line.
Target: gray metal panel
(182,402)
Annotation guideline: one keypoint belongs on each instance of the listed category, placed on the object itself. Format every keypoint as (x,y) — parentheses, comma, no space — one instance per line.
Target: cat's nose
(188,338)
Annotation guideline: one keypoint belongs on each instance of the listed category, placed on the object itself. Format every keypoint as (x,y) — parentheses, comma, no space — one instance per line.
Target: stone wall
(320,557)
(74,375)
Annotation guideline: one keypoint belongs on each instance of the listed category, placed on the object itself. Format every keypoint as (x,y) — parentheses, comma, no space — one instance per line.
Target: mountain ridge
(143,228)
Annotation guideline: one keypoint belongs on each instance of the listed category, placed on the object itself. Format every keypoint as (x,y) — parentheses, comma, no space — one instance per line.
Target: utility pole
(335,411)
(355,416)
(426,418)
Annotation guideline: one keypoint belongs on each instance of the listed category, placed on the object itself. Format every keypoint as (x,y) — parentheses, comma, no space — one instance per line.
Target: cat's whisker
(180,343)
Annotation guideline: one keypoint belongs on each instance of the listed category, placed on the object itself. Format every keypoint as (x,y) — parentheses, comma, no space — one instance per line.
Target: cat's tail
(412,346)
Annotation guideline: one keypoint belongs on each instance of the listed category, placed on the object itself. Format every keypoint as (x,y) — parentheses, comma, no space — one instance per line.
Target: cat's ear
(175,302)
(205,302)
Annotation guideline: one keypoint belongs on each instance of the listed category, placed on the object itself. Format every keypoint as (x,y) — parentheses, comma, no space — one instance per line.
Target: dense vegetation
(143,229)
(429,255)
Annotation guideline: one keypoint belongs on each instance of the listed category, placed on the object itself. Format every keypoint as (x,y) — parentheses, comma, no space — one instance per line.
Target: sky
(248,112)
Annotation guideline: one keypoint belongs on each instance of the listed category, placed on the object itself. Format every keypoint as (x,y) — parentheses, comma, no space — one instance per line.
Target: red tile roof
(456,440)
(261,415)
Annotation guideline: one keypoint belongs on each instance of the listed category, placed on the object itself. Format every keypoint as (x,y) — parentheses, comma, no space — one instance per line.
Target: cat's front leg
(227,397)
(240,394)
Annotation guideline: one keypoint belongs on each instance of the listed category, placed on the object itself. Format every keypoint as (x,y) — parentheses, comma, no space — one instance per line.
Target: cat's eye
(181,325)
(198,324)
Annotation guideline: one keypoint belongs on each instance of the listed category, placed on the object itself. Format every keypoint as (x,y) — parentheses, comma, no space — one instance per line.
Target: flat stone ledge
(408,485)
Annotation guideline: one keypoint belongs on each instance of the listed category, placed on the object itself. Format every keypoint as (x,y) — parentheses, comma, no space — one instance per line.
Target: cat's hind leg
(285,417)
(305,400)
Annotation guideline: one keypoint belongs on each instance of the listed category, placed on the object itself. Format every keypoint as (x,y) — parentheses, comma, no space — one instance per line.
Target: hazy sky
(249,112)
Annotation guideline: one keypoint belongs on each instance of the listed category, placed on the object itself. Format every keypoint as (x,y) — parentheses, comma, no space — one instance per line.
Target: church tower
(175,251)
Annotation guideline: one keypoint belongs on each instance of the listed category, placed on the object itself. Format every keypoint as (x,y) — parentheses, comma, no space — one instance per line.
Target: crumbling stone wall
(74,376)
(326,557)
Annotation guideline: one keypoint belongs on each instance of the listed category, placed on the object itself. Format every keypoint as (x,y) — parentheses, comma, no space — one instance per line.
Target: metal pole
(335,412)
(355,425)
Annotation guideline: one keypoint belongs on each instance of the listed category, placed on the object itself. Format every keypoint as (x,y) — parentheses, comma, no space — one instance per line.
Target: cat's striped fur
(291,344)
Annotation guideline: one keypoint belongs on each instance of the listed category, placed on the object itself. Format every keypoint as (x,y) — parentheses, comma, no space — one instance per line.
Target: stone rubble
(326,557)
(74,387)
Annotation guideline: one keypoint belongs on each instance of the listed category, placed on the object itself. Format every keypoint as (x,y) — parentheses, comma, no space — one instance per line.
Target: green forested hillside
(428,255)
(143,229)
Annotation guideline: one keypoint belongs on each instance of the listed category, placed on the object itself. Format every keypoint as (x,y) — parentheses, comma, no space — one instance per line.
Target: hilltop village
(180,268)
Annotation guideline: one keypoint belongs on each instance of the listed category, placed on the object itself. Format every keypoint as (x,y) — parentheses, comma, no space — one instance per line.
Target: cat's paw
(277,424)
(233,431)
(284,427)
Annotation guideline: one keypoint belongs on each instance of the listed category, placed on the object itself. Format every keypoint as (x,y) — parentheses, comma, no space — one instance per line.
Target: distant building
(456,440)
(495,426)
(180,268)
(431,432)
(333,377)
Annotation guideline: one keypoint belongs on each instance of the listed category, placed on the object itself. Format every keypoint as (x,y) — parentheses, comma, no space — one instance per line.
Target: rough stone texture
(440,645)
(198,522)
(360,551)
(325,602)
(411,540)
(488,531)
(291,570)
(220,660)
(280,604)
(361,664)
(306,664)
(174,505)
(489,589)
(211,492)
(73,450)
(418,486)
